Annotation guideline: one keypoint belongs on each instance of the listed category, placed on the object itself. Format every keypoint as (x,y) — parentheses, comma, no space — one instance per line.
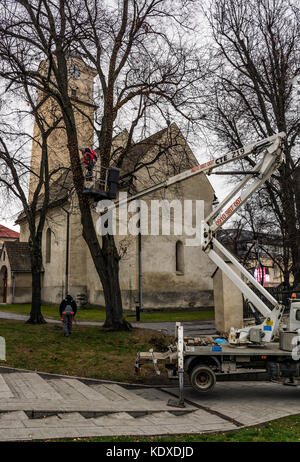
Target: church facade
(170,273)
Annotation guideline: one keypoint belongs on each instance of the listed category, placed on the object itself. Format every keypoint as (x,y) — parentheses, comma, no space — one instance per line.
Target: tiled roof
(60,189)
(138,151)
(8,233)
(18,255)
(58,192)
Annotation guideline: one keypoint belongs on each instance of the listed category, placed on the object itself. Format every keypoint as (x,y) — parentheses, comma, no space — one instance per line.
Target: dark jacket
(68,301)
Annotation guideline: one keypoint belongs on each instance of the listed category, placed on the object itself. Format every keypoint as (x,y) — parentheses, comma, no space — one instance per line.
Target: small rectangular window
(73,93)
(48,245)
(297,315)
(179,257)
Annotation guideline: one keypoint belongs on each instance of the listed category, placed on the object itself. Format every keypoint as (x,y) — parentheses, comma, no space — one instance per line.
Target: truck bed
(271,349)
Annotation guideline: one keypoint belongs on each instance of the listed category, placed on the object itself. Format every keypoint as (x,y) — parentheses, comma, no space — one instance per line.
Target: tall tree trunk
(105,259)
(297,250)
(111,287)
(36,316)
(289,196)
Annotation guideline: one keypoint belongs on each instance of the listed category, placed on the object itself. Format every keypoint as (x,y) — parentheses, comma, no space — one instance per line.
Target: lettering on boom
(228,212)
(219,160)
(200,167)
(227,157)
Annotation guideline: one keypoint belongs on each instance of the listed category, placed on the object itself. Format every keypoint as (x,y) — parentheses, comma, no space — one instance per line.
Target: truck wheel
(202,378)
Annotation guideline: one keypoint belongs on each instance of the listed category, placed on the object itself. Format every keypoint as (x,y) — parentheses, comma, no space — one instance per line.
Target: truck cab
(294,320)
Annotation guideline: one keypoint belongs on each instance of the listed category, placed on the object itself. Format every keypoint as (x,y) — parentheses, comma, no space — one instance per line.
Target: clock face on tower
(74,71)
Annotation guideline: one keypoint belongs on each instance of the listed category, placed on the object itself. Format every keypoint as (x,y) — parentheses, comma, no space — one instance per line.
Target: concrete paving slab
(224,409)
(16,434)
(86,391)
(107,393)
(65,390)
(51,423)
(20,388)
(135,431)
(71,417)
(120,416)
(49,433)
(11,424)
(151,394)
(125,394)
(109,422)
(14,415)
(44,423)
(248,402)
(5,390)
(80,406)
(94,431)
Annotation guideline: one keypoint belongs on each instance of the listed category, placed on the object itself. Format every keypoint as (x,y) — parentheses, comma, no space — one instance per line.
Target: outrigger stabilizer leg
(179,402)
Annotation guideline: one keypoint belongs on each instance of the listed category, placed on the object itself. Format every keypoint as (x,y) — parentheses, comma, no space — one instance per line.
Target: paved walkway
(191,328)
(33,407)
(40,406)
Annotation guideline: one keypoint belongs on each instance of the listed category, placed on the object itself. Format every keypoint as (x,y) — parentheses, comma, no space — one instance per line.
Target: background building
(261,253)
(8,239)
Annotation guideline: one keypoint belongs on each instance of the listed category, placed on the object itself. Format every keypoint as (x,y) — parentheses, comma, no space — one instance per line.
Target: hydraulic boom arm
(207,167)
(273,157)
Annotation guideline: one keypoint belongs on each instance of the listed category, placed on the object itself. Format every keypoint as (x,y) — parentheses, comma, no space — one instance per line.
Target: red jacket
(89,154)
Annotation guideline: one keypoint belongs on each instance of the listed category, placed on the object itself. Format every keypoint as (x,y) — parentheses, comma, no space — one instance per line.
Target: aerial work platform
(102,184)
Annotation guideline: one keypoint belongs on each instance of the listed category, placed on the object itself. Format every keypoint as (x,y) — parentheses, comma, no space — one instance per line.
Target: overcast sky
(9,212)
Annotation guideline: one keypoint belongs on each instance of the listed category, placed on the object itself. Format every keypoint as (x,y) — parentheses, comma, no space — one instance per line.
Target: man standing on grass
(67,311)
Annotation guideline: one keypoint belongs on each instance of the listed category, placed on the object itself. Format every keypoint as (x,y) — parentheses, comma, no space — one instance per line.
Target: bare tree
(257,217)
(142,61)
(251,94)
(15,170)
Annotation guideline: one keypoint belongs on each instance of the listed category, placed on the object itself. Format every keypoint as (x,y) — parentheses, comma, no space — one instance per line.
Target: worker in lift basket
(67,311)
(90,159)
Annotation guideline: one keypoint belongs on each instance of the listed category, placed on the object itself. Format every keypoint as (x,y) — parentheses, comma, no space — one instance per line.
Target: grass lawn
(88,352)
(286,429)
(98,314)
(92,352)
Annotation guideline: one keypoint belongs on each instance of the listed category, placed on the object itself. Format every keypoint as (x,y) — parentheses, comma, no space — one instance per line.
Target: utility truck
(250,347)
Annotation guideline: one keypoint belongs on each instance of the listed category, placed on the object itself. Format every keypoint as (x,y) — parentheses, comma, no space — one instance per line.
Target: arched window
(48,245)
(179,257)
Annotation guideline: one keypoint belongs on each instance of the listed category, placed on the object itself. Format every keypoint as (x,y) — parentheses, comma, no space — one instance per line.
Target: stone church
(173,274)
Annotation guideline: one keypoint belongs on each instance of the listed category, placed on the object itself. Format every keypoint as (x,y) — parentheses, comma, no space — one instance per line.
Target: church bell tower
(80,83)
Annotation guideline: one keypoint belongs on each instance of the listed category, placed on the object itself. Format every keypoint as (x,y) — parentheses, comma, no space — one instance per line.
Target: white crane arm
(272,159)
(207,167)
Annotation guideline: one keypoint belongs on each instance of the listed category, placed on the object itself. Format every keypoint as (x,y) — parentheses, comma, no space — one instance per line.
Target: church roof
(161,143)
(18,256)
(8,233)
(139,150)
(60,189)
(58,193)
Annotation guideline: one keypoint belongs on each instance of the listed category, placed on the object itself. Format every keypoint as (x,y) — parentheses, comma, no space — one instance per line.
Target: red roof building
(7,234)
